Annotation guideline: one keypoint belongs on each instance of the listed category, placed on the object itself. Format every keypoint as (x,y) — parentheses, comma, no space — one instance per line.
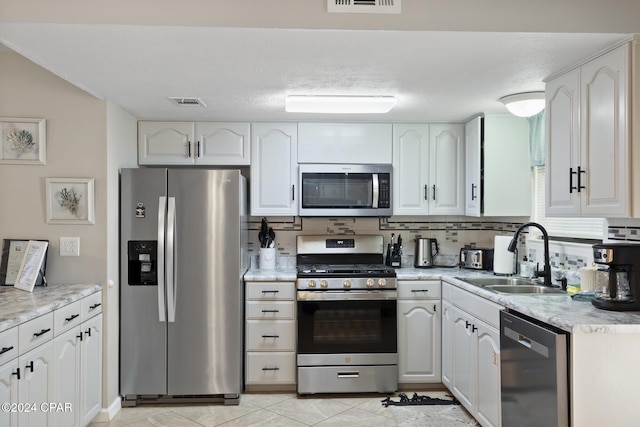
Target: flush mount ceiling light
(339,104)
(524,104)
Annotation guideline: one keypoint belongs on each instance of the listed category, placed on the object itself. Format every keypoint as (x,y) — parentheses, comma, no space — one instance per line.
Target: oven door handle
(347,296)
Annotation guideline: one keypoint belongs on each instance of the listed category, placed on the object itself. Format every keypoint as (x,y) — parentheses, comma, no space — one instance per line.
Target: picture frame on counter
(70,201)
(23,141)
(31,267)
(13,251)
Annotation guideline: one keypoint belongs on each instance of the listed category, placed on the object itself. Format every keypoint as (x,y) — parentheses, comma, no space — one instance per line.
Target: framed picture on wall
(70,201)
(23,141)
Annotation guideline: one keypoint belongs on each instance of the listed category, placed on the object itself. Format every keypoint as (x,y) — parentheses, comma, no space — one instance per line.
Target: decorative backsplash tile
(627,234)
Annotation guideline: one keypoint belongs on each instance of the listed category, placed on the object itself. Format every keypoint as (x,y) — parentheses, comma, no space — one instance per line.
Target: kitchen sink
(511,285)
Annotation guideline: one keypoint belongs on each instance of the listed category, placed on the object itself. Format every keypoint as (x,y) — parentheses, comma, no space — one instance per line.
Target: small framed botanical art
(23,141)
(70,201)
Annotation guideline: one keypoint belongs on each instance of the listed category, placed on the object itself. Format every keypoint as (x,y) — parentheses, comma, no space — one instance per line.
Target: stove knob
(382,283)
(312,283)
(370,283)
(324,283)
(346,283)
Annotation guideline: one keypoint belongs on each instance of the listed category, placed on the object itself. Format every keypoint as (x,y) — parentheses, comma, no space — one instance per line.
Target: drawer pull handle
(29,366)
(271,311)
(70,318)
(5,349)
(94,306)
(270,292)
(271,369)
(271,336)
(16,373)
(419,290)
(42,332)
(354,374)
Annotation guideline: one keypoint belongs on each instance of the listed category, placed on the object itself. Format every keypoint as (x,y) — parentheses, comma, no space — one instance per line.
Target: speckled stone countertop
(17,306)
(560,311)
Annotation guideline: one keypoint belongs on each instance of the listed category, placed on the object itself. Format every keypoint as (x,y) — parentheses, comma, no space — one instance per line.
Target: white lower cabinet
(270,335)
(419,332)
(471,349)
(51,367)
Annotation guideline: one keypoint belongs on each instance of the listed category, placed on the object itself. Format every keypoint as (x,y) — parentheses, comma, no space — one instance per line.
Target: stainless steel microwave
(345,190)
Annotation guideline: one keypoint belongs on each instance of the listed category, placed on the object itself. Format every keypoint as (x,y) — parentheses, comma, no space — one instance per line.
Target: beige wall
(86,138)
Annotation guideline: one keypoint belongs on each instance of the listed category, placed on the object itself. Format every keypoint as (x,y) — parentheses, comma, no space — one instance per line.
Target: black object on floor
(419,400)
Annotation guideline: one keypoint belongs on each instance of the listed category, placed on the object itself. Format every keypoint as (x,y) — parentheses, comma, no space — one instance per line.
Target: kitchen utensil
(426,250)
(263,235)
(271,240)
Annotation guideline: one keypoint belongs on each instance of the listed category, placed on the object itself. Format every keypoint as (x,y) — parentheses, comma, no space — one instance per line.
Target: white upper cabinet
(428,169)
(506,172)
(446,169)
(348,143)
(473,153)
(193,143)
(274,169)
(588,116)
(223,143)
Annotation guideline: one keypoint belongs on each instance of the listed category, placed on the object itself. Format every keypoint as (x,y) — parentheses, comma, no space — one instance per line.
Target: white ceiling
(245,73)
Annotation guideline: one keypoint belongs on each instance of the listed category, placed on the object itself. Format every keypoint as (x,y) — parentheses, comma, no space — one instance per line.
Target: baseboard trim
(109,413)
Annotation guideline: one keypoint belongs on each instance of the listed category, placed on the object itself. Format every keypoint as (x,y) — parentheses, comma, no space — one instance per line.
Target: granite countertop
(560,311)
(17,306)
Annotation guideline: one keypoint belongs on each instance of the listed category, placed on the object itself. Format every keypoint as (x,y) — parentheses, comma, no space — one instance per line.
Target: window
(583,228)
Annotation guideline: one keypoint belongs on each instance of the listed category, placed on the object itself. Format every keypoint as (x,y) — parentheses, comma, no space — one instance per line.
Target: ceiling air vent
(363,6)
(187,102)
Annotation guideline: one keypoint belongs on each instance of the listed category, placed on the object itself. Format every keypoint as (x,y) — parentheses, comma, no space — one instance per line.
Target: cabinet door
(447,356)
(562,197)
(488,370)
(9,392)
(603,132)
(166,143)
(419,331)
(410,169)
(446,169)
(91,369)
(66,376)
(463,353)
(473,164)
(222,143)
(274,169)
(36,384)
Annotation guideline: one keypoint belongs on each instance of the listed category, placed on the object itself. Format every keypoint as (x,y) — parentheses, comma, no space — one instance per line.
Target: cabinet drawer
(271,368)
(67,317)
(271,291)
(8,345)
(476,306)
(418,289)
(271,335)
(35,332)
(91,305)
(271,310)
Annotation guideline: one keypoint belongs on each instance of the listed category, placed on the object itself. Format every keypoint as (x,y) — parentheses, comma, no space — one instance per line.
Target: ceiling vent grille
(187,102)
(363,6)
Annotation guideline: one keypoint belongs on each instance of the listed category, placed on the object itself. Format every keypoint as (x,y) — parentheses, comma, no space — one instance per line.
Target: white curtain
(536,139)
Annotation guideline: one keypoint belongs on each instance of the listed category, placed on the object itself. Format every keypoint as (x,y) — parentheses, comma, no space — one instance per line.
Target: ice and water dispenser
(143,262)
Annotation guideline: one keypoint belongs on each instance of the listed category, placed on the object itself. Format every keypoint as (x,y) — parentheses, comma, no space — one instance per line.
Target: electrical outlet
(69,246)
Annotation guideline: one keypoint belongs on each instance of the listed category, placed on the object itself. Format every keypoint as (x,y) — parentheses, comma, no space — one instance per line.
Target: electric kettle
(426,251)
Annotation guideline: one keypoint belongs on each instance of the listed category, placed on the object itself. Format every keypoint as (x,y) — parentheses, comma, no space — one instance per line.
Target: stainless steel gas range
(347,316)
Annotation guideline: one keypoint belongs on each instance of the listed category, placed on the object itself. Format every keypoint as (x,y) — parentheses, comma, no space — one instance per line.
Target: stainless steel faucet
(546,272)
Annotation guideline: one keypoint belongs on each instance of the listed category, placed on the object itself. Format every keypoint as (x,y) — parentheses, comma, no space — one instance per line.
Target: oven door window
(337,190)
(347,327)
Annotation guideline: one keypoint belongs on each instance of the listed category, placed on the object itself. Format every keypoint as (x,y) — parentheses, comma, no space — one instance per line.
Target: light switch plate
(69,246)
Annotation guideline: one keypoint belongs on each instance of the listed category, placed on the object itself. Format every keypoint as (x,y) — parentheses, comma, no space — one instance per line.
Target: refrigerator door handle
(162,208)
(171,242)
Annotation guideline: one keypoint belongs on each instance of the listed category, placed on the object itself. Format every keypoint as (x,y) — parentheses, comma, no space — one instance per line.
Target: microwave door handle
(376,190)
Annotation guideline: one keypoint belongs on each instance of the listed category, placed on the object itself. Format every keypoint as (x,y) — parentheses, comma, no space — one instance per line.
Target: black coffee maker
(618,281)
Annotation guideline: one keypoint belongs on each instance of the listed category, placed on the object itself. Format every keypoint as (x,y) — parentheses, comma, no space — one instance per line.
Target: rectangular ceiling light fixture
(337,104)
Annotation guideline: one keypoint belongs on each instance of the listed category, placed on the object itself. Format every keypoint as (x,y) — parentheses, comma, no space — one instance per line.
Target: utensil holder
(267,259)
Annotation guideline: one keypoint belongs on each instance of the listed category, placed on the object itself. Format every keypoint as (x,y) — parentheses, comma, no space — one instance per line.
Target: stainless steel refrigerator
(183,241)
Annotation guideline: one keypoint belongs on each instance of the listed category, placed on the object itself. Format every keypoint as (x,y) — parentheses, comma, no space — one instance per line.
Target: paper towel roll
(503,260)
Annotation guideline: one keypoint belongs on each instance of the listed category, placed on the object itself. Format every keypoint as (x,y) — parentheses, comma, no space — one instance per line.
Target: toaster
(476,258)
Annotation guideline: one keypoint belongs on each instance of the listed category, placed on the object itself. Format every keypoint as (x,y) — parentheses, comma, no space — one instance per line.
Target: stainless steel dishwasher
(534,373)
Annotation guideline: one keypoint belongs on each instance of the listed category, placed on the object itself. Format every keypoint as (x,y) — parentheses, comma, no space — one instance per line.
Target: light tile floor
(288,409)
